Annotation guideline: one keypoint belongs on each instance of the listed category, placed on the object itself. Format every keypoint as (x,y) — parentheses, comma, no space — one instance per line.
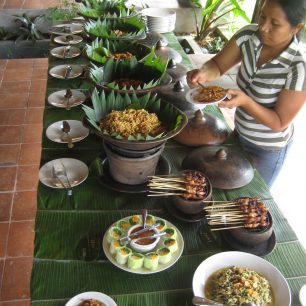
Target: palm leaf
(103,104)
(151,71)
(105,9)
(132,28)
(100,50)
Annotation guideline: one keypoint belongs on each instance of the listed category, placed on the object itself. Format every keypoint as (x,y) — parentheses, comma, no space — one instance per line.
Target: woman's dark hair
(295,10)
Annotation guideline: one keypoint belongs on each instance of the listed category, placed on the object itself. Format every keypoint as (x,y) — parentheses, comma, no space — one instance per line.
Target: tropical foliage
(100,50)
(103,104)
(212,14)
(131,28)
(95,9)
(27,29)
(150,70)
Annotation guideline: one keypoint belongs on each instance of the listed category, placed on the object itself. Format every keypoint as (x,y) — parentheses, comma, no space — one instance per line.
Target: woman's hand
(209,72)
(238,98)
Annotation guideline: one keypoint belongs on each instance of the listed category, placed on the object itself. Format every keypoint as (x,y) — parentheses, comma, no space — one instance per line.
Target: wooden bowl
(193,206)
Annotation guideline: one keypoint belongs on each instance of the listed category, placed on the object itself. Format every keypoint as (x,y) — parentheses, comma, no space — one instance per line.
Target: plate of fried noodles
(235,278)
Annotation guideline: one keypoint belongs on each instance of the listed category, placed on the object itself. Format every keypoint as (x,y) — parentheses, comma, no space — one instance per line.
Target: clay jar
(132,170)
(202,129)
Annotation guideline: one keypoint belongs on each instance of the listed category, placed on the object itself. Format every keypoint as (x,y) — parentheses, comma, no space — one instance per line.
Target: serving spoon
(66,129)
(201,301)
(144,213)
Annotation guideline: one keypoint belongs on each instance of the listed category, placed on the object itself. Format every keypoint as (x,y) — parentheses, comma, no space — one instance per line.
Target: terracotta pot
(252,237)
(192,206)
(132,170)
(202,129)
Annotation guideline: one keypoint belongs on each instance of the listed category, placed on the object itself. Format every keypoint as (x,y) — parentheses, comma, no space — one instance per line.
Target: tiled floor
(28,4)
(22,99)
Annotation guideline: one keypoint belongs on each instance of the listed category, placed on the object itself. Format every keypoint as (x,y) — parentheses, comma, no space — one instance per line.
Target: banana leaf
(105,9)
(104,103)
(131,29)
(151,70)
(100,50)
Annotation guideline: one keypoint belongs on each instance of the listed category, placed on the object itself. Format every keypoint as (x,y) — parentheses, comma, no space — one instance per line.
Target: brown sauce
(145,234)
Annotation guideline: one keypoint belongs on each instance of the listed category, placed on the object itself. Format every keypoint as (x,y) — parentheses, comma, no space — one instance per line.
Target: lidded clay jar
(203,129)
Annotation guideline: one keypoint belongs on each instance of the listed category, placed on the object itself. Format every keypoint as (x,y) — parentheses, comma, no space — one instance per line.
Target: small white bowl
(143,248)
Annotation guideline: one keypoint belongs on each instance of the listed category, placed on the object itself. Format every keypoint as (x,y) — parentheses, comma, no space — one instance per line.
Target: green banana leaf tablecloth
(68,257)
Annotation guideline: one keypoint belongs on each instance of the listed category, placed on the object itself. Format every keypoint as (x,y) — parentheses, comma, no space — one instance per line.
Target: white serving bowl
(143,248)
(280,287)
(101,297)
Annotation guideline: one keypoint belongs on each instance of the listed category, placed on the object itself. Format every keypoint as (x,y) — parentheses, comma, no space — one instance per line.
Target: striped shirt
(263,85)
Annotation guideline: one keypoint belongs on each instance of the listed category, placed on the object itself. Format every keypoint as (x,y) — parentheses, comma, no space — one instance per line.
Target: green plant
(27,28)
(212,13)
(66,10)
(3,33)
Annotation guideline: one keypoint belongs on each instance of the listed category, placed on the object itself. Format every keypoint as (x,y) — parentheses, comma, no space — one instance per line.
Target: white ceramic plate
(101,297)
(218,261)
(60,71)
(64,39)
(70,53)
(58,99)
(192,92)
(66,29)
(77,172)
(175,256)
(302,295)
(77,131)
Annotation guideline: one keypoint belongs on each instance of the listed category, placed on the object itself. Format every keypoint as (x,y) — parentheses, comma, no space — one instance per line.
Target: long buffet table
(65,226)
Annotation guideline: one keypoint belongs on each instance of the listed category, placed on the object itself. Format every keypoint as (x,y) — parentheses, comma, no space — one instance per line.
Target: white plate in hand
(101,297)
(77,131)
(190,97)
(77,172)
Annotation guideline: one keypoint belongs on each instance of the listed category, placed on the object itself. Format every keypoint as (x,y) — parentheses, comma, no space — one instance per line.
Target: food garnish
(91,302)
(128,83)
(209,94)
(131,122)
(236,286)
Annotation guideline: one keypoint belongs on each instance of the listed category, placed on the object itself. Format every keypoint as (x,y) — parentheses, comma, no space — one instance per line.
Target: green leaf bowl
(133,29)
(103,103)
(105,9)
(151,70)
(99,51)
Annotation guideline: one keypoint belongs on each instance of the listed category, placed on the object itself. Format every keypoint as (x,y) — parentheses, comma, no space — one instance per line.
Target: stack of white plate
(161,20)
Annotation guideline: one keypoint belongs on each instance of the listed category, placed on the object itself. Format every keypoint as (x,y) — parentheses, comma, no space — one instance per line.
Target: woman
(272,82)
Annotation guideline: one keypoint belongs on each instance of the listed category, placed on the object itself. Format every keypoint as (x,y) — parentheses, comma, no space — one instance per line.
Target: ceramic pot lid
(202,129)
(226,166)
(167,52)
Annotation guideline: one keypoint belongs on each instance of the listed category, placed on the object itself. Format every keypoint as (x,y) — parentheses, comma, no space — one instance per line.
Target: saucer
(261,249)
(77,133)
(76,170)
(64,52)
(58,99)
(68,39)
(66,29)
(163,168)
(180,215)
(302,295)
(62,72)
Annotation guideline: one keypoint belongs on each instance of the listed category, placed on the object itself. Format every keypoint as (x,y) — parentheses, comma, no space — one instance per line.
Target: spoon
(67,71)
(65,51)
(150,237)
(197,300)
(144,213)
(67,96)
(66,129)
(203,86)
